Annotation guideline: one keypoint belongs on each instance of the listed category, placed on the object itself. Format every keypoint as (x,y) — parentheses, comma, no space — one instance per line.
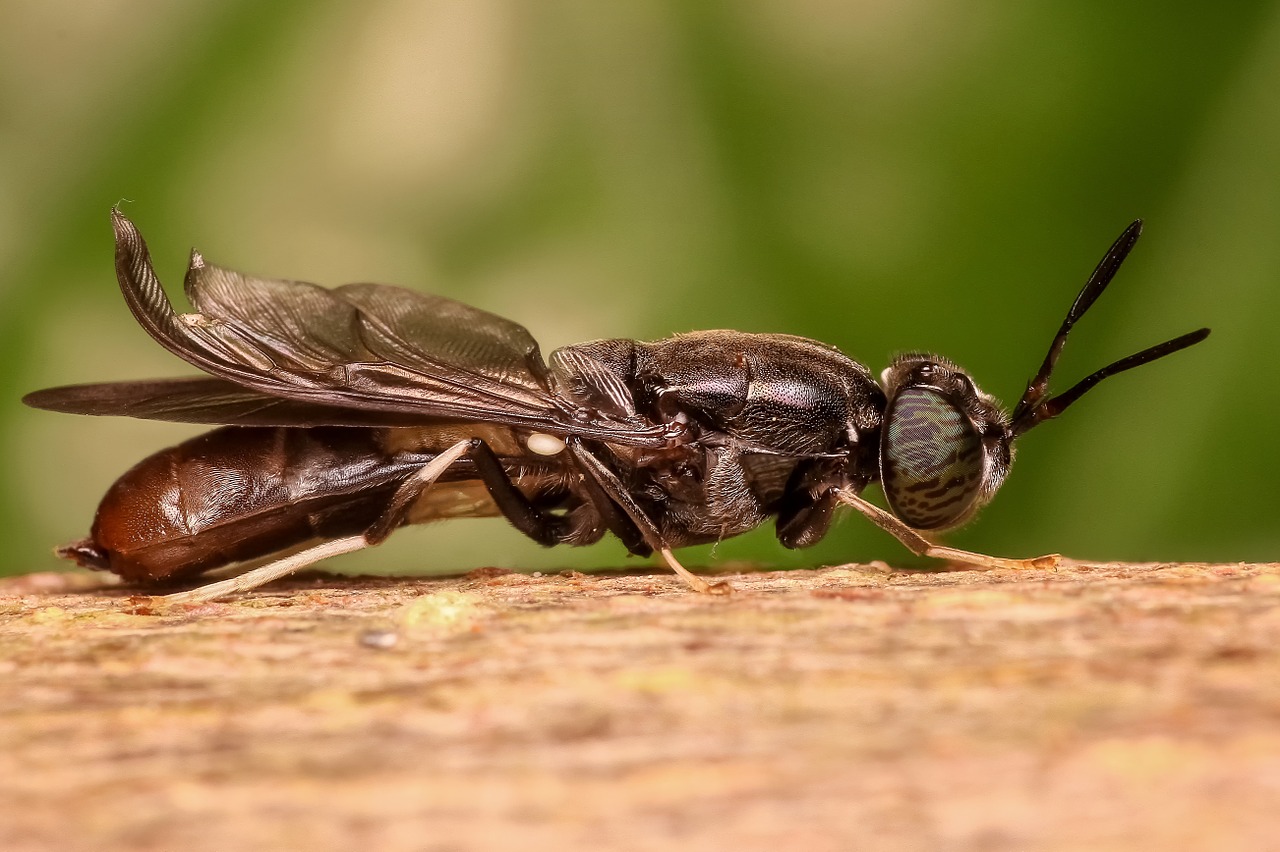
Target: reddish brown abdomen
(238,493)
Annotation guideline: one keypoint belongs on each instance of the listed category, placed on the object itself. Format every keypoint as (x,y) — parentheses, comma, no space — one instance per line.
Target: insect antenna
(1033,408)
(1055,405)
(1098,281)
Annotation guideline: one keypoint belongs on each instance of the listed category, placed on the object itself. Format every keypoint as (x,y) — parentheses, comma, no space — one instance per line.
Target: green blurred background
(884,175)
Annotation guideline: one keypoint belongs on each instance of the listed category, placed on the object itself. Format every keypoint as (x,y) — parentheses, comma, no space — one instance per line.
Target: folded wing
(202,399)
(362,347)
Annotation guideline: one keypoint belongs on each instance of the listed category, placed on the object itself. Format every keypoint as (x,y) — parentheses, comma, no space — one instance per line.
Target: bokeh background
(881,175)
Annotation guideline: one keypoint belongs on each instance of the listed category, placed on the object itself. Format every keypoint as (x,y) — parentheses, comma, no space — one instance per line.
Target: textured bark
(1098,706)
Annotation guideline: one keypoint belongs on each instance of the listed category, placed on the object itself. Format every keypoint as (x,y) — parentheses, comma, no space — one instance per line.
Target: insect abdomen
(236,494)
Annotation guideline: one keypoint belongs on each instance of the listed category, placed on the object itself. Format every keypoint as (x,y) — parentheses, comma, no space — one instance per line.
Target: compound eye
(931,459)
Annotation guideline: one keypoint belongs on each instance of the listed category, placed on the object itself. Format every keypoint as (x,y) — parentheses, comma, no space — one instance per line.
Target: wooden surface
(1097,707)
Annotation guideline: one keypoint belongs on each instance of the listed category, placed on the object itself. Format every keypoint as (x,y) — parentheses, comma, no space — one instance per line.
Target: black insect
(354,411)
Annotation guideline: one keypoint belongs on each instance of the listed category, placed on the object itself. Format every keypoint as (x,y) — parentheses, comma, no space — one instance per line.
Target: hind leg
(392,517)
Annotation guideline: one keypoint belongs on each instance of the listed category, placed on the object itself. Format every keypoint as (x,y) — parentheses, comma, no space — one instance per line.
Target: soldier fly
(347,413)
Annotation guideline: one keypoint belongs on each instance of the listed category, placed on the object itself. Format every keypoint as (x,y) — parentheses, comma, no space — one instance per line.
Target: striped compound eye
(931,459)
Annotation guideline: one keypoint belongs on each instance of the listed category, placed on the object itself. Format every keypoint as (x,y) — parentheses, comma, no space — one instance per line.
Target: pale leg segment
(399,506)
(921,546)
(691,579)
(265,574)
(614,489)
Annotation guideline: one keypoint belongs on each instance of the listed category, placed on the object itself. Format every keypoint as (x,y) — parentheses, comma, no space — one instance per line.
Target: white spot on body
(544,444)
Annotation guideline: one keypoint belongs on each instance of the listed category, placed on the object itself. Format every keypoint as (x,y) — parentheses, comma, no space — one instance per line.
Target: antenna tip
(1191,338)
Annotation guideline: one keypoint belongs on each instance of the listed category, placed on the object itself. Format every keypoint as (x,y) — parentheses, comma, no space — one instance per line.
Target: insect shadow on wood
(347,413)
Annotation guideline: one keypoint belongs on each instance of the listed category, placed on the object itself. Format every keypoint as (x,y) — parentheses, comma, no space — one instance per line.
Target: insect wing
(364,346)
(417,328)
(203,399)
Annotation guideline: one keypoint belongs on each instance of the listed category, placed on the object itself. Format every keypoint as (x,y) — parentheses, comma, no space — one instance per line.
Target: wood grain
(1097,707)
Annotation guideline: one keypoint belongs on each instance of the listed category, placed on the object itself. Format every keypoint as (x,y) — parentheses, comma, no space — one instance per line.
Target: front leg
(921,546)
(807,505)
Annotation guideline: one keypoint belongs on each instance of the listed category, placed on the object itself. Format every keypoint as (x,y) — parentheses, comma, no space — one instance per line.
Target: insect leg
(392,517)
(807,505)
(615,520)
(921,546)
(542,527)
(614,490)
(265,574)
